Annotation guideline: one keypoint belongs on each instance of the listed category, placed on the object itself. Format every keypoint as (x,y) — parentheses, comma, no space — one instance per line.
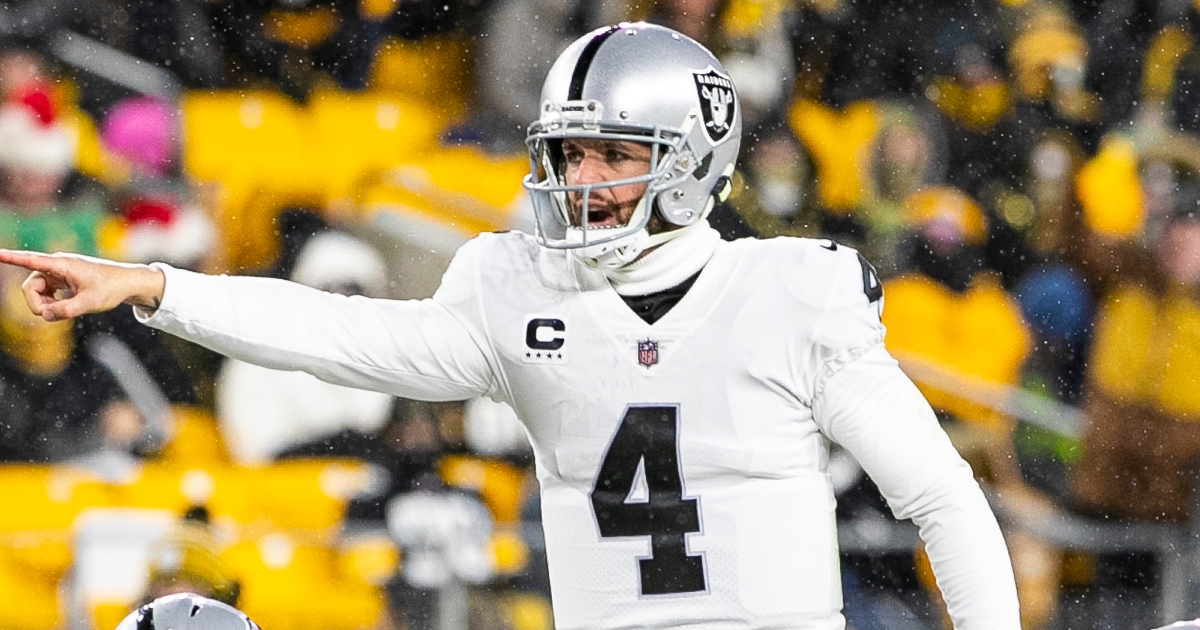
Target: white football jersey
(682,464)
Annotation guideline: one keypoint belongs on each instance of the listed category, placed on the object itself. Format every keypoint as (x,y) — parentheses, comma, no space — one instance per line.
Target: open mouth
(600,217)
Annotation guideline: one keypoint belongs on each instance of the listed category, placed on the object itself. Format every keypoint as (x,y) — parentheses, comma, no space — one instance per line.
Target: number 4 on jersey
(870,278)
(648,438)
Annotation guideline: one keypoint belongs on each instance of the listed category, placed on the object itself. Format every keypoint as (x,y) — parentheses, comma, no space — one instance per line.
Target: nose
(590,171)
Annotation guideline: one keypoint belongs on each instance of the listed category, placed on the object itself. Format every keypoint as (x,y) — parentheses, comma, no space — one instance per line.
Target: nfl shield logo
(647,352)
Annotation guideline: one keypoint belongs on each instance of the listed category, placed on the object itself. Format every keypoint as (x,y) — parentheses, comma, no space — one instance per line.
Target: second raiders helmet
(186,611)
(643,83)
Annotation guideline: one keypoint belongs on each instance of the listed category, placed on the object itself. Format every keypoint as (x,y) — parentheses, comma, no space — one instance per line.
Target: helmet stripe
(575,91)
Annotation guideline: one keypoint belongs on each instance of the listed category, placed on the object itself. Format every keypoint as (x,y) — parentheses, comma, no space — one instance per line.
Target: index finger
(32,261)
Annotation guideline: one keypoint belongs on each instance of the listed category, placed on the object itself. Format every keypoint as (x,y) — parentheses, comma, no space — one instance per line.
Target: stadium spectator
(1055,296)
(159,217)
(945,311)
(37,154)
(1140,445)
(67,402)
(513,58)
(264,413)
(1142,438)
(298,45)
(175,35)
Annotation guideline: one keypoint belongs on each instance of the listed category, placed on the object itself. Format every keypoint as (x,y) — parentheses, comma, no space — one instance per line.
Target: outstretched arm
(413,348)
(63,286)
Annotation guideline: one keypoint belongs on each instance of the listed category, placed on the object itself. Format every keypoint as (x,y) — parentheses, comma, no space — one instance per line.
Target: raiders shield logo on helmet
(717,103)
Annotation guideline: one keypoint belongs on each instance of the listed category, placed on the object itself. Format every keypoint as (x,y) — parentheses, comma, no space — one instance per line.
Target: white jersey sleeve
(864,402)
(421,349)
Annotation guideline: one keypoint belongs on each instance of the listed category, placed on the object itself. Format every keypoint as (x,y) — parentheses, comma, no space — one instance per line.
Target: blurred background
(1025,175)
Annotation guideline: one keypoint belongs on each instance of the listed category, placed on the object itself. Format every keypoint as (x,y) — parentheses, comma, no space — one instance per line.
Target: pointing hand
(63,286)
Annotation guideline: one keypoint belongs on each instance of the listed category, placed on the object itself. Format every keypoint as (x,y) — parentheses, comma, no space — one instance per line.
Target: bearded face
(593,161)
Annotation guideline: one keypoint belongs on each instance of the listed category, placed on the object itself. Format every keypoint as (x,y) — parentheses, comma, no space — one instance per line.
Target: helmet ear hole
(702,169)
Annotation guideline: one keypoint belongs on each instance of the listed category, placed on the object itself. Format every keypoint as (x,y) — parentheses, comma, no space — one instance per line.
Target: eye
(572,155)
(617,155)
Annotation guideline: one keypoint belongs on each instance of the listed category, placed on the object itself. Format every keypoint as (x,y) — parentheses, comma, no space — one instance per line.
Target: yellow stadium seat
(527,611)
(108,615)
(294,494)
(510,554)
(293,584)
(360,135)
(297,494)
(247,217)
(254,148)
(28,601)
(40,504)
(368,557)
(196,440)
(1109,190)
(257,133)
(494,180)
(90,157)
(45,498)
(462,188)
(170,488)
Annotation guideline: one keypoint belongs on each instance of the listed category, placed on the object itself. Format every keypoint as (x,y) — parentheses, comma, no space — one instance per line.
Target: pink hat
(142,131)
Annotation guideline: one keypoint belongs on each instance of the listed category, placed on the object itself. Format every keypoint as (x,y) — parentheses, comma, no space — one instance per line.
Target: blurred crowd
(1024,174)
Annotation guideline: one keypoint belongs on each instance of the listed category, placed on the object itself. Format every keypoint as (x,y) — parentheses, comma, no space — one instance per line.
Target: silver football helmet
(643,83)
(186,611)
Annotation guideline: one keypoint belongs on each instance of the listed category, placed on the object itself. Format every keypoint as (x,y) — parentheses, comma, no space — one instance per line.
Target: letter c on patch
(535,325)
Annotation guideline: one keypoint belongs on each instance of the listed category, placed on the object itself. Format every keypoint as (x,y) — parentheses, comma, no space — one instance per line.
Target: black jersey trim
(654,306)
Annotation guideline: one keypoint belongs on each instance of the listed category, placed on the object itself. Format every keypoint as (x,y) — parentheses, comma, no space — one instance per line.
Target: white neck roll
(669,264)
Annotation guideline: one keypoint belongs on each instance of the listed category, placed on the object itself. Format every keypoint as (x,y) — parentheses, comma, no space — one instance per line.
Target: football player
(680,392)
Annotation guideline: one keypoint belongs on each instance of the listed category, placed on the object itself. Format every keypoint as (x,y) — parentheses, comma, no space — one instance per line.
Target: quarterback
(681,392)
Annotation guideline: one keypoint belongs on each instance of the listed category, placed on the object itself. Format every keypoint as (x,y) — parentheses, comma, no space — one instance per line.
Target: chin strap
(623,251)
(614,254)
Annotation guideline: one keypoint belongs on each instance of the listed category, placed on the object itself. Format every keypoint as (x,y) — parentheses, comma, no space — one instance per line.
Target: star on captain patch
(648,352)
